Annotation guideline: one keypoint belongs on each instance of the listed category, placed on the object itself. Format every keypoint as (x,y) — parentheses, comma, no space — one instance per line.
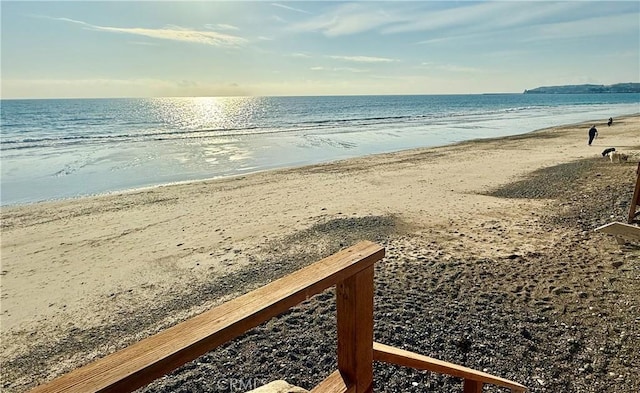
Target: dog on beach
(614,156)
(608,150)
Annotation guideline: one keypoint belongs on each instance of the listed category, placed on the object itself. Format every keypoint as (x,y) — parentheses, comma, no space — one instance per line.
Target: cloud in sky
(286,7)
(173,33)
(393,46)
(338,69)
(346,19)
(221,26)
(463,18)
(301,55)
(363,59)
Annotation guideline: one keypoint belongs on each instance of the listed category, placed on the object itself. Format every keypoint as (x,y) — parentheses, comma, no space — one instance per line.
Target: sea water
(56,149)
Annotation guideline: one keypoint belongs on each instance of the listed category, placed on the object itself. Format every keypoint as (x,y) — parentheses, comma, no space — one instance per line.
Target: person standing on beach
(593,133)
(610,122)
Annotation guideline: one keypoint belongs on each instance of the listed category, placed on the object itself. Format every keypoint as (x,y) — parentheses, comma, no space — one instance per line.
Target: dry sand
(84,277)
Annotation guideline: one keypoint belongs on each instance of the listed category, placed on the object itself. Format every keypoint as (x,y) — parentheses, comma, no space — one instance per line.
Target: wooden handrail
(153,357)
(351,270)
(474,379)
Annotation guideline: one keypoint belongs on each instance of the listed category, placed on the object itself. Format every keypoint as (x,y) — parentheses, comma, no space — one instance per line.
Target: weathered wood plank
(621,229)
(146,360)
(334,383)
(354,305)
(388,354)
(635,200)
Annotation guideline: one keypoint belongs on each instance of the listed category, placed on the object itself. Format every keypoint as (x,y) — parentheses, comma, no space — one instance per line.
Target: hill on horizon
(629,87)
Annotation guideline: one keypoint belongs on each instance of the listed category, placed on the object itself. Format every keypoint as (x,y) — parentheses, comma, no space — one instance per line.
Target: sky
(83,49)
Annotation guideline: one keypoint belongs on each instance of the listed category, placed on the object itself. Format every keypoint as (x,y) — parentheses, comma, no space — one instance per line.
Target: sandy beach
(491,262)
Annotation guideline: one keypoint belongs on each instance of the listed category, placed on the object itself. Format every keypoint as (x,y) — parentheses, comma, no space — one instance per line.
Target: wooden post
(354,305)
(471,386)
(635,200)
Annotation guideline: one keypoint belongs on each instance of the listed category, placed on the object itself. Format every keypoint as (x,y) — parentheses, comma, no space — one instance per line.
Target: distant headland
(585,89)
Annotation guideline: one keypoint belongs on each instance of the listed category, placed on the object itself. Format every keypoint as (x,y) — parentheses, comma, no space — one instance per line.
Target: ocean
(58,149)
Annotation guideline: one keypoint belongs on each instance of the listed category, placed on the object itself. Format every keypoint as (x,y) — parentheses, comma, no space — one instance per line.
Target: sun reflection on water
(208,113)
(201,127)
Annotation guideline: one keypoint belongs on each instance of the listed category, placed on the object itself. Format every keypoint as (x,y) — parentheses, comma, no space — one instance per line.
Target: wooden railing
(635,200)
(351,270)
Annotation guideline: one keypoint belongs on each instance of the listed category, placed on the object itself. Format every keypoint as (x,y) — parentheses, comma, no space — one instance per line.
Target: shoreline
(67,271)
(115,193)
